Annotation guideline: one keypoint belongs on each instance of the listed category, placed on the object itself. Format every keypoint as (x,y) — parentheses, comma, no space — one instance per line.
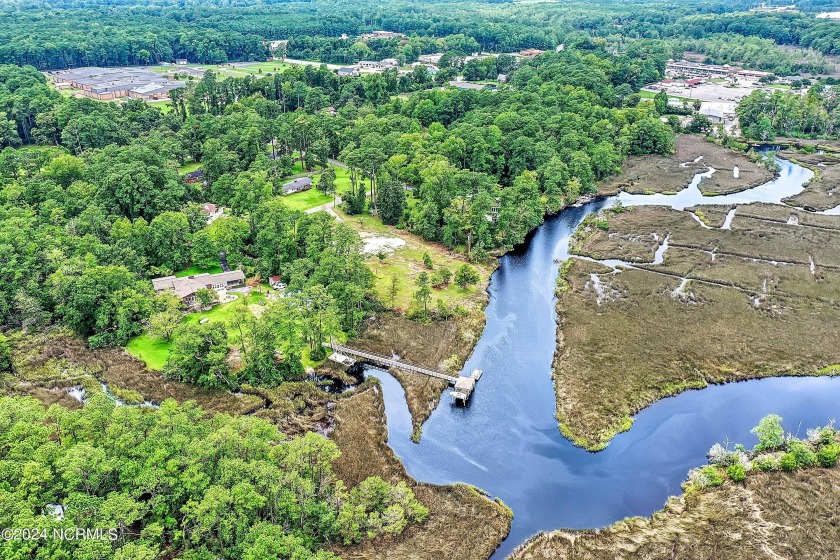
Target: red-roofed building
(275,283)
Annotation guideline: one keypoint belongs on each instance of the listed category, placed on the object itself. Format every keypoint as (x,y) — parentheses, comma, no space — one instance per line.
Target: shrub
(444,311)
(128,396)
(427,261)
(466,276)
(804,455)
(766,463)
(770,433)
(826,435)
(736,472)
(709,477)
(5,354)
(720,456)
(441,277)
(788,462)
(827,456)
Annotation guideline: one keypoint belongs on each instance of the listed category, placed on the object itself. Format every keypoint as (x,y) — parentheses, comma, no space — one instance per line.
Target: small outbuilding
(464,387)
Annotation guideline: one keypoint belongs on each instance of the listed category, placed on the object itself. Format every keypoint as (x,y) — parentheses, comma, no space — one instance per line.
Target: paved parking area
(713,92)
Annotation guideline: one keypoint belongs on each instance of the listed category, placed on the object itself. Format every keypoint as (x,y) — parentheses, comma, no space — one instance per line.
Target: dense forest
(816,114)
(158,482)
(57,34)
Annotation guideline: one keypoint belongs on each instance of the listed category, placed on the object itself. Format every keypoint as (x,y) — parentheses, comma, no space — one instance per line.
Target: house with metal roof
(298,185)
(186,287)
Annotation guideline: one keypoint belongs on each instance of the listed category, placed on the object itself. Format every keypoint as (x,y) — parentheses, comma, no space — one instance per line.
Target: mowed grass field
(154,351)
(307,199)
(313,198)
(189,167)
(406,263)
(263,67)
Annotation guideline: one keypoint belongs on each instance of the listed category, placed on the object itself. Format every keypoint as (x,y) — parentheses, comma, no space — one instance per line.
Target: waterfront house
(186,287)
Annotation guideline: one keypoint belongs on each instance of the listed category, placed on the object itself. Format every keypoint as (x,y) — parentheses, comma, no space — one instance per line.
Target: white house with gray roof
(187,286)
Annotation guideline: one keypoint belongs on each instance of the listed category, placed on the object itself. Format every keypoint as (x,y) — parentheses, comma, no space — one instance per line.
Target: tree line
(763,116)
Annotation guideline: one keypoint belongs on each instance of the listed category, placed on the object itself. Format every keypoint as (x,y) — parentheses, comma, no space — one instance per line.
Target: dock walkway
(388,362)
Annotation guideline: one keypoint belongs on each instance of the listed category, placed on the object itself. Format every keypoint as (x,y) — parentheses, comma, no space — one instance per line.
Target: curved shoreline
(467,444)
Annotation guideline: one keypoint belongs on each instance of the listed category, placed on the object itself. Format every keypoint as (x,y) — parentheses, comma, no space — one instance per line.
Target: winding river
(507,442)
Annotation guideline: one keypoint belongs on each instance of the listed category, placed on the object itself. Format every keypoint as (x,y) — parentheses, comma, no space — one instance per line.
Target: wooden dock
(463,386)
(387,362)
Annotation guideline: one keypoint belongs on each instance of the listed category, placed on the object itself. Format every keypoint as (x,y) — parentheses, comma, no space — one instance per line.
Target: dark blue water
(507,441)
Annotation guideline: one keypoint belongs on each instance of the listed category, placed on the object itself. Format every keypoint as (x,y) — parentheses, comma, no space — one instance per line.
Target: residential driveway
(328,208)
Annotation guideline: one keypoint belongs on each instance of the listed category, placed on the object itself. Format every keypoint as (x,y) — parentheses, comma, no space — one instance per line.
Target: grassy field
(263,68)
(189,167)
(406,263)
(154,351)
(220,69)
(648,95)
(312,198)
(307,199)
(164,105)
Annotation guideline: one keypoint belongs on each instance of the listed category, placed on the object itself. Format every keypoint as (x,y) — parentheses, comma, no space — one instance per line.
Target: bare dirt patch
(770,517)
(374,243)
(462,524)
(665,174)
(758,300)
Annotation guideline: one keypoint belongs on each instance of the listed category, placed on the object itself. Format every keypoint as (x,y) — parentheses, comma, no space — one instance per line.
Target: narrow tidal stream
(507,442)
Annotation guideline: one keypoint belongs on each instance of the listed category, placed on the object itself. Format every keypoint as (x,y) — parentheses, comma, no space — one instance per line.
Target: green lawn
(189,167)
(342,179)
(266,67)
(307,199)
(154,351)
(165,106)
(648,95)
(221,70)
(150,350)
(225,70)
(193,270)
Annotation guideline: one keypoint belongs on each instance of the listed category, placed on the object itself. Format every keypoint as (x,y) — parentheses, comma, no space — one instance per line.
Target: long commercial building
(106,84)
(686,68)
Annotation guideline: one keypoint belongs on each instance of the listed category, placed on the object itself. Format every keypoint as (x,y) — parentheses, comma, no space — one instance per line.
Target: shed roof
(465,384)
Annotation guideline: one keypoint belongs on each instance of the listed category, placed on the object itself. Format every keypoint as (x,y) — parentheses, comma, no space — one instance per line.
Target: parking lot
(709,91)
